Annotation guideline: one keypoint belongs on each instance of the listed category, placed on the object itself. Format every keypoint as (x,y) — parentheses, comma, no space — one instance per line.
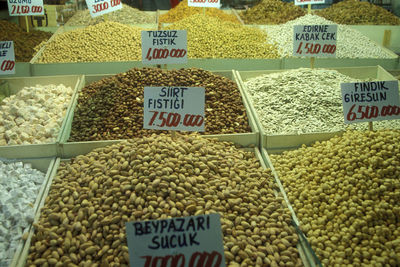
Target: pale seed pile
(346,193)
(303,101)
(94,195)
(350,43)
(126,15)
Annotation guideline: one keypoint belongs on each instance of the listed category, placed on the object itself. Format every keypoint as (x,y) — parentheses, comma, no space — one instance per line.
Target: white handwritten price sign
(164,47)
(25,7)
(101,7)
(184,242)
(314,40)
(204,3)
(306,2)
(370,101)
(7,58)
(174,108)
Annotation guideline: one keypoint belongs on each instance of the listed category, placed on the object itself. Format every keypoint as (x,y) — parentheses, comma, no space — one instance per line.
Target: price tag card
(306,2)
(7,58)
(314,40)
(370,101)
(164,47)
(188,241)
(204,3)
(101,7)
(25,7)
(174,108)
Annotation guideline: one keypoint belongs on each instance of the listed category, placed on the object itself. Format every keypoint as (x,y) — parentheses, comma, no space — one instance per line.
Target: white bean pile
(303,101)
(350,43)
(19,186)
(34,115)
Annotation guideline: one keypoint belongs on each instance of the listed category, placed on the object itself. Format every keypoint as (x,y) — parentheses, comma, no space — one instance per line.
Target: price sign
(164,47)
(177,242)
(174,108)
(25,7)
(204,3)
(306,2)
(7,58)
(314,40)
(101,7)
(370,101)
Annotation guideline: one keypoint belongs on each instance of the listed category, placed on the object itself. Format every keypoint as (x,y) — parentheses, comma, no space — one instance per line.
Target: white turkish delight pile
(350,43)
(34,115)
(19,187)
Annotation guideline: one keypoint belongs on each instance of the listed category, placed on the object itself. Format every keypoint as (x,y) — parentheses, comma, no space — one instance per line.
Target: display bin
(41,69)
(278,143)
(10,86)
(67,149)
(45,165)
(305,252)
(386,35)
(22,69)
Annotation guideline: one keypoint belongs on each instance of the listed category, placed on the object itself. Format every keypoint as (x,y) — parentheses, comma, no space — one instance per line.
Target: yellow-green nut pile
(346,194)
(126,15)
(106,41)
(182,10)
(210,37)
(358,12)
(271,12)
(94,195)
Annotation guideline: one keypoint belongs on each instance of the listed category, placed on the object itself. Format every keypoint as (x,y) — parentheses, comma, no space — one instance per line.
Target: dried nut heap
(19,187)
(272,12)
(303,101)
(112,108)
(106,41)
(346,193)
(350,43)
(126,15)
(93,196)
(358,12)
(213,38)
(34,115)
(24,42)
(182,10)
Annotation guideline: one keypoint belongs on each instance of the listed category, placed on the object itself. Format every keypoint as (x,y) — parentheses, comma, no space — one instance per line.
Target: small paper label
(306,2)
(314,40)
(184,242)
(102,7)
(204,3)
(370,101)
(25,7)
(164,47)
(174,108)
(7,58)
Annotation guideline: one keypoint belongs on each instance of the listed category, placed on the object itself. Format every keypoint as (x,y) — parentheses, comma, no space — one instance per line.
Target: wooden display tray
(305,251)
(45,165)
(278,143)
(68,148)
(14,85)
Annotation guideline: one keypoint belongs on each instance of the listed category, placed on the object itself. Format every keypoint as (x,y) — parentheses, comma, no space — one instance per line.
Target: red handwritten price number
(115,2)
(17,9)
(100,7)
(7,65)
(316,48)
(174,119)
(159,53)
(369,112)
(198,259)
